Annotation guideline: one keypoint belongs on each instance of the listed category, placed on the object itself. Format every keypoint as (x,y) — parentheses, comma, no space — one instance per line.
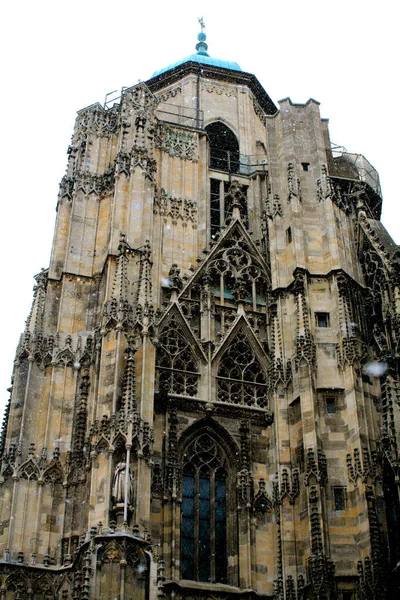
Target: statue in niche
(118,487)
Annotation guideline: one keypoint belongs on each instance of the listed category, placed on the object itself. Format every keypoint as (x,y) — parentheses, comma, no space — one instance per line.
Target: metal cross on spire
(202,47)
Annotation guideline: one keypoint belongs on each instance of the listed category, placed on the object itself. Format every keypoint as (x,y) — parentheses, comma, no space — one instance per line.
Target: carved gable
(178,354)
(233,274)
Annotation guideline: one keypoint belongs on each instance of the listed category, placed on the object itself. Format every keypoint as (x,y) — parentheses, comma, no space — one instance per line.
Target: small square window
(306,166)
(288,235)
(339,498)
(347,595)
(330,403)
(322,319)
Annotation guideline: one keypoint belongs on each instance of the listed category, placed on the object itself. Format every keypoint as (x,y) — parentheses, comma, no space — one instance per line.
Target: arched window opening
(224,148)
(241,379)
(204,512)
(392,512)
(176,362)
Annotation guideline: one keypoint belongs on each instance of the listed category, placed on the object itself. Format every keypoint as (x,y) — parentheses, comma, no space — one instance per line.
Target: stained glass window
(204,499)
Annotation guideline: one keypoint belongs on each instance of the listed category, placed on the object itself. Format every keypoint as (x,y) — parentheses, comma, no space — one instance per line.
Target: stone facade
(205,399)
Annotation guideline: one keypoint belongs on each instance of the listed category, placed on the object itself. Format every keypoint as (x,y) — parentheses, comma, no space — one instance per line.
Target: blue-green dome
(202,58)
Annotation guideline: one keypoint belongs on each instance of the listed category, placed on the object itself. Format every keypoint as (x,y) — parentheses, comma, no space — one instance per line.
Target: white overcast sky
(59,57)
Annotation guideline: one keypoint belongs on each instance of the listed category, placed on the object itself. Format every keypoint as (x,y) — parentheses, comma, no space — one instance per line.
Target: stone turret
(205,400)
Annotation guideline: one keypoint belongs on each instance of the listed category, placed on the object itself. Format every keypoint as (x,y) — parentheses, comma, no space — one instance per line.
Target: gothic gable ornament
(175,315)
(243,329)
(236,256)
(178,356)
(241,367)
(140,99)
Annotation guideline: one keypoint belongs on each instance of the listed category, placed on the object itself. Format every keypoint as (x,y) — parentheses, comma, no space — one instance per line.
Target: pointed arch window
(176,362)
(241,379)
(224,148)
(204,512)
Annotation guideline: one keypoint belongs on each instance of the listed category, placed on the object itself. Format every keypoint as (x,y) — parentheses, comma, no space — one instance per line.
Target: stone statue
(118,487)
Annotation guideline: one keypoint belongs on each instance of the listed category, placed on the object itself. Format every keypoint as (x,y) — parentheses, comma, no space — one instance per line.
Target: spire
(145,288)
(120,284)
(118,309)
(202,47)
(129,382)
(34,323)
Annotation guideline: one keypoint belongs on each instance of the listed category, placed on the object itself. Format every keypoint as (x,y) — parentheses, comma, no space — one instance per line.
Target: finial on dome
(202,47)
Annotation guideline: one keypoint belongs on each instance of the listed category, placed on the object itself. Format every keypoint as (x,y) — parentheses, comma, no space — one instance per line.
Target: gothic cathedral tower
(205,399)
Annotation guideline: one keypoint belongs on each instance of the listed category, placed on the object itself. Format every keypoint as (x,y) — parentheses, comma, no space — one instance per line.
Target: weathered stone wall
(104,405)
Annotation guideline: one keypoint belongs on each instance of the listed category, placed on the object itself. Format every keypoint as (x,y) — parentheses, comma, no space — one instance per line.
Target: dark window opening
(322,319)
(288,235)
(392,510)
(330,402)
(204,508)
(215,207)
(187,529)
(347,595)
(339,498)
(222,194)
(306,166)
(224,148)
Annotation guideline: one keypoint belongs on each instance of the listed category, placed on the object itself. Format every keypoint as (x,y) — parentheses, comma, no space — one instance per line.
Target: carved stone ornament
(316,467)
(98,120)
(176,361)
(367,470)
(219,89)
(119,485)
(273,207)
(262,502)
(170,93)
(293,184)
(240,376)
(176,142)
(177,209)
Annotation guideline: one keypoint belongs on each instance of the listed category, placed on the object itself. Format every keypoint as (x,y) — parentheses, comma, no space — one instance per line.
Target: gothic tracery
(176,362)
(241,379)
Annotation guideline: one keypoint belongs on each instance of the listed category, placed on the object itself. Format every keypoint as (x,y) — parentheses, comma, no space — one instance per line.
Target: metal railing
(233,162)
(172,113)
(354,166)
(180,115)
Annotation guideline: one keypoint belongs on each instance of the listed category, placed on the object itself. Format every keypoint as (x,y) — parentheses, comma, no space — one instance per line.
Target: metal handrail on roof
(233,162)
(180,115)
(343,160)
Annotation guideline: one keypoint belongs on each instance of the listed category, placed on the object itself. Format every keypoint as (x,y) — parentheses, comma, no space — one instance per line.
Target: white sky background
(59,57)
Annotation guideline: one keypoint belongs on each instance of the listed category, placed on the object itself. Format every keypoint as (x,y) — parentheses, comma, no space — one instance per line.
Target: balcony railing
(233,162)
(354,166)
